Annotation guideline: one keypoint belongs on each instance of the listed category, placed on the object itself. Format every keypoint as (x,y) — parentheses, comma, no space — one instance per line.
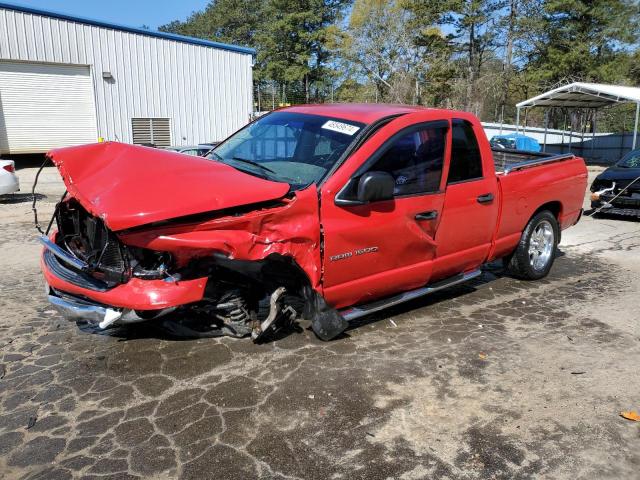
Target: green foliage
(583,40)
(480,55)
(294,45)
(232,21)
(295,39)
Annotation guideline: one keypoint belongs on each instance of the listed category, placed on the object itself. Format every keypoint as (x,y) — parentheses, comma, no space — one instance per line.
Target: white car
(8,179)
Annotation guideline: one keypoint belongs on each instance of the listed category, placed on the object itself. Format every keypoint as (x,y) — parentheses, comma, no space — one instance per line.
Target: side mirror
(375,186)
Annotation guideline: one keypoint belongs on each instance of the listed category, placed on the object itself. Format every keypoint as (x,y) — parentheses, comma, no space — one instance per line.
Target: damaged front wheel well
(276,281)
(263,275)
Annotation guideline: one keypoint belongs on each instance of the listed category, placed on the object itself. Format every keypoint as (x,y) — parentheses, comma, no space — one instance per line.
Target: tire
(536,250)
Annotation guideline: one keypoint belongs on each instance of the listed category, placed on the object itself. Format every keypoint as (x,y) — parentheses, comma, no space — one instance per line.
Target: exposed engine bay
(241,298)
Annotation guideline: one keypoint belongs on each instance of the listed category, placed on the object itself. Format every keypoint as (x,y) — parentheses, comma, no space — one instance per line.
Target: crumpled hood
(129,186)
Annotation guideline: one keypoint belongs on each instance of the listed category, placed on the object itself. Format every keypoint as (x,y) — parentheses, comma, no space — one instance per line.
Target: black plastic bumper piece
(70,275)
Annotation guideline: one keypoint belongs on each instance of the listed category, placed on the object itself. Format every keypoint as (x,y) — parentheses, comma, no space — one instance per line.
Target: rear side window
(466,162)
(415,159)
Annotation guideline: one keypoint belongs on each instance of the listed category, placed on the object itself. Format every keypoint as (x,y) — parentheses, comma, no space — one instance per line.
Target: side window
(415,160)
(466,162)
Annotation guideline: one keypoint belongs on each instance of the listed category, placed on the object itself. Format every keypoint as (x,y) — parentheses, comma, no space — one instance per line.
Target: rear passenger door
(470,209)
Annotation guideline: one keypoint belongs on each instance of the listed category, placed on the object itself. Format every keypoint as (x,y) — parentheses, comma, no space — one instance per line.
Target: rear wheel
(536,250)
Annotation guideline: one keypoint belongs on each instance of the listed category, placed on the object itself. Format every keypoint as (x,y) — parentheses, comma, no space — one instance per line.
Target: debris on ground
(32,421)
(631,415)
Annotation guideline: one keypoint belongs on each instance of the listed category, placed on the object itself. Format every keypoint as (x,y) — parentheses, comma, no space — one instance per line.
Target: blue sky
(132,13)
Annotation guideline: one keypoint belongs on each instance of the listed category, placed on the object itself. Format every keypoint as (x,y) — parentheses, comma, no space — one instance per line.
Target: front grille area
(112,256)
(69,274)
(623,201)
(87,238)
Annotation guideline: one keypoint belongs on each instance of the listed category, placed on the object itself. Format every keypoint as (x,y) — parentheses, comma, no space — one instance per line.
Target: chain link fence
(268,96)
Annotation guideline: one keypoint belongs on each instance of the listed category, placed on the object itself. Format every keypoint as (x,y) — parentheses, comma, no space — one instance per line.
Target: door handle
(430,215)
(486,198)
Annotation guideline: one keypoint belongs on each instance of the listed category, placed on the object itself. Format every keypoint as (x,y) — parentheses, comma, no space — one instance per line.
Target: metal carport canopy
(586,95)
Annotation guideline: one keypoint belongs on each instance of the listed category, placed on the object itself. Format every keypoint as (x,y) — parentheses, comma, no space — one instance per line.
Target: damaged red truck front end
(142,232)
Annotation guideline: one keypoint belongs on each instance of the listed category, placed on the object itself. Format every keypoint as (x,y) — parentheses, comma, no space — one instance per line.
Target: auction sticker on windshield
(341,127)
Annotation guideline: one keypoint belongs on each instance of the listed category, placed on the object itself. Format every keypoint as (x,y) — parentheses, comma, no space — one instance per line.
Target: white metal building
(67,81)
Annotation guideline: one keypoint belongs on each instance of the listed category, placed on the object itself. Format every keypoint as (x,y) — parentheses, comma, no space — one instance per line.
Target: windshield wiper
(279,178)
(255,164)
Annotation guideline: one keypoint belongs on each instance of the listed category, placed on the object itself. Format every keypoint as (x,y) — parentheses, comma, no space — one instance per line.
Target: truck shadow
(174,328)
(170,328)
(457,292)
(609,216)
(491,273)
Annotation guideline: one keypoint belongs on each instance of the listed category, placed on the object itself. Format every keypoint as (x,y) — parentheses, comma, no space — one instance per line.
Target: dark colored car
(199,150)
(617,189)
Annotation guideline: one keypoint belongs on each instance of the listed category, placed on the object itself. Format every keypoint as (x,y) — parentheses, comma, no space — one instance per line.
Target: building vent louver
(151,131)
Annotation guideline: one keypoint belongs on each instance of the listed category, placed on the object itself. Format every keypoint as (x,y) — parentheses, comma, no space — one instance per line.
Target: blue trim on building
(139,31)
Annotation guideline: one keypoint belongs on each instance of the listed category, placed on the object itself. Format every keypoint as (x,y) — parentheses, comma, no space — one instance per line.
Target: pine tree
(296,43)
(232,21)
(583,40)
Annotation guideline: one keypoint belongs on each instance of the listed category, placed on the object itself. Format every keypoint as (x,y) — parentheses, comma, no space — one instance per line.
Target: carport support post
(594,125)
(546,127)
(564,127)
(570,133)
(635,128)
(518,120)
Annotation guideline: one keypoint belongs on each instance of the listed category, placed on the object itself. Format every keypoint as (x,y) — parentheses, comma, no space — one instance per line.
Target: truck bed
(506,160)
(529,180)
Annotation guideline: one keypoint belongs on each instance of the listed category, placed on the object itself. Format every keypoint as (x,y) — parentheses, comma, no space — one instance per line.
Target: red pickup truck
(325,212)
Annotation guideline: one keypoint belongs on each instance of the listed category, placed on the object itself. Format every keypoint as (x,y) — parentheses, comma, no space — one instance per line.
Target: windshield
(295,148)
(630,160)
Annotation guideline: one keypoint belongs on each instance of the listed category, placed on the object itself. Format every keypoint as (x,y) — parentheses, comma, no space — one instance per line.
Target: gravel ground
(496,379)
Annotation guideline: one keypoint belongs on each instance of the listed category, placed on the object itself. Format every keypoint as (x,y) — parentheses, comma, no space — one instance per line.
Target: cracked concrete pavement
(496,379)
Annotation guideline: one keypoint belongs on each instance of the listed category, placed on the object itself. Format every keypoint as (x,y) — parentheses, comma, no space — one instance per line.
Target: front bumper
(622,205)
(77,309)
(69,277)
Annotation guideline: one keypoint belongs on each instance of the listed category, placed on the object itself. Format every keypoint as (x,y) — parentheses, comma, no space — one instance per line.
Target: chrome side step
(352,313)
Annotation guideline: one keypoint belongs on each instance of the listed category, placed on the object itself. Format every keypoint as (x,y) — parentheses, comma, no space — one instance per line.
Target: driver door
(384,247)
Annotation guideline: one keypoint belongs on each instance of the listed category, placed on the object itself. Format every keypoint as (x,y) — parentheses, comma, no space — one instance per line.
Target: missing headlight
(149,264)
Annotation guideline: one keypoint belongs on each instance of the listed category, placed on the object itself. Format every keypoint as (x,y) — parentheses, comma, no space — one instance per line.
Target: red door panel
(375,250)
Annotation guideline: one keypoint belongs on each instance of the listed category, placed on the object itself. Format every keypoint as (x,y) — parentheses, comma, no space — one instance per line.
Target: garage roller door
(44,106)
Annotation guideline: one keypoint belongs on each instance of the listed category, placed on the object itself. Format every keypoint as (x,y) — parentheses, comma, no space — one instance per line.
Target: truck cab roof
(360,112)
